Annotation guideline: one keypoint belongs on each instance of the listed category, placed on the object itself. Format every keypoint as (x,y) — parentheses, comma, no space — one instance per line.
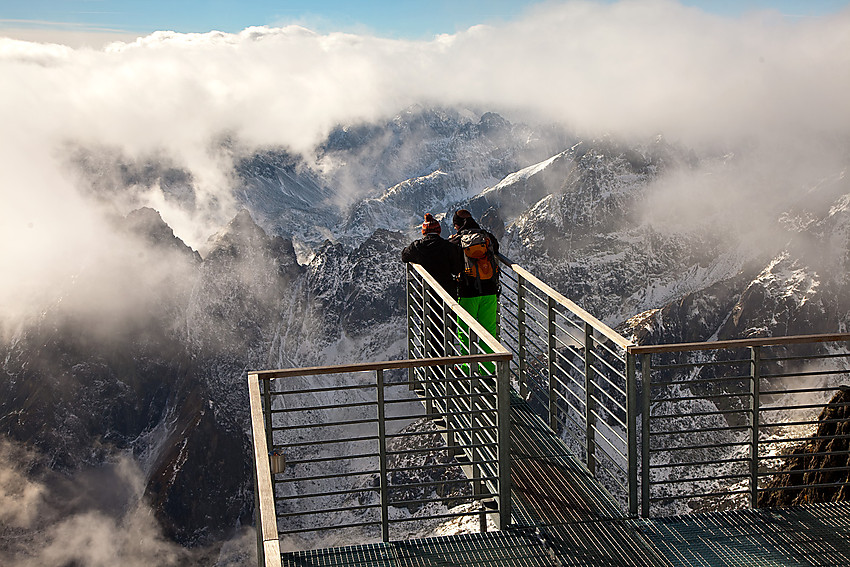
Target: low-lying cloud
(630,69)
(96,518)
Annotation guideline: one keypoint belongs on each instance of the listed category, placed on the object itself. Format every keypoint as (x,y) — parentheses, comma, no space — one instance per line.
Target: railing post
(267,414)
(427,348)
(631,432)
(589,409)
(521,339)
(550,357)
(503,413)
(410,326)
(474,370)
(646,370)
(755,376)
(382,450)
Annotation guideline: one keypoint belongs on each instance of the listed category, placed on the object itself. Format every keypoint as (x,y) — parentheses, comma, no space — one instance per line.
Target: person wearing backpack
(478,283)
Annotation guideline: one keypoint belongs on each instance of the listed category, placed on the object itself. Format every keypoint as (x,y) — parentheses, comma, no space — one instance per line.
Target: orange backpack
(479,260)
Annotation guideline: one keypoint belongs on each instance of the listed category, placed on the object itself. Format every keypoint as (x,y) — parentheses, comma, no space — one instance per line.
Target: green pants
(485,310)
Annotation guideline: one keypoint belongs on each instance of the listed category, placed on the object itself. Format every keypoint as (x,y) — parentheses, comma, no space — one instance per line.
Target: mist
(632,69)
(96,517)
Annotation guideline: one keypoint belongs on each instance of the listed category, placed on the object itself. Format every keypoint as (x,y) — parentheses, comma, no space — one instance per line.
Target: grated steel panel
(814,535)
(562,518)
(493,549)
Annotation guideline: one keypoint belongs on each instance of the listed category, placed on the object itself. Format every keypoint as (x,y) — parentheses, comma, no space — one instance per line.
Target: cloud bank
(630,69)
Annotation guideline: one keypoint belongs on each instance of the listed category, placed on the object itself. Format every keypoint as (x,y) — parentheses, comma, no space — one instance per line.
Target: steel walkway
(563,518)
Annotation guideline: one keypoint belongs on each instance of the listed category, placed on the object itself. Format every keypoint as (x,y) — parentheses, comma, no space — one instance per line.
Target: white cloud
(633,68)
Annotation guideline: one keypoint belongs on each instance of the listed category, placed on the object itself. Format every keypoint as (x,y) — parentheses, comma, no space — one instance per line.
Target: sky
(92,22)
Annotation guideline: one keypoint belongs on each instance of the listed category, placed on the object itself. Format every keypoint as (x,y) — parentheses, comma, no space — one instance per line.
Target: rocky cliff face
(801,477)
(310,274)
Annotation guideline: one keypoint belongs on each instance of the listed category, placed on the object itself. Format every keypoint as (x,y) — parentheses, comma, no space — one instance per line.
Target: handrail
(470,321)
(603,329)
(502,355)
(268,544)
(739,343)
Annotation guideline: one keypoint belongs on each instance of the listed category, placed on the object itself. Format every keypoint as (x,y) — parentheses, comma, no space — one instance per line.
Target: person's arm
(410,254)
(456,255)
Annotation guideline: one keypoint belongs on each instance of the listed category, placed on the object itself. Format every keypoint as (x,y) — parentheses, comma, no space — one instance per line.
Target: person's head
(431,225)
(461,218)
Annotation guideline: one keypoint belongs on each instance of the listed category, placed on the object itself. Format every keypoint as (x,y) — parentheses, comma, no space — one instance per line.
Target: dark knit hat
(460,216)
(431,225)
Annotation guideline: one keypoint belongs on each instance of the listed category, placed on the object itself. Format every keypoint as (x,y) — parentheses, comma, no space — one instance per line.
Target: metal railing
(664,429)
(721,417)
(377,447)
(577,374)
(469,402)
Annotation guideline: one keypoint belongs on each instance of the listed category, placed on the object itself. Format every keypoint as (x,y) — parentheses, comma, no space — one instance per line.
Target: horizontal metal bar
(701,364)
(328,407)
(326,442)
(804,471)
(325,476)
(709,397)
(806,455)
(786,440)
(307,496)
(815,485)
(294,462)
(701,430)
(445,516)
(332,527)
(324,511)
(805,357)
(700,381)
(807,373)
(498,355)
(699,495)
(745,411)
(326,424)
(798,391)
(695,447)
(701,479)
(741,343)
(700,463)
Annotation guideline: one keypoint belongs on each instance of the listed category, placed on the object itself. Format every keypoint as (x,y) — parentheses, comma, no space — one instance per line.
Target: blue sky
(408,19)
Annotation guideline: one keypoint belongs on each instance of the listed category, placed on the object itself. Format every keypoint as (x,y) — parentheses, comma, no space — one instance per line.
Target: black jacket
(440,258)
(467,286)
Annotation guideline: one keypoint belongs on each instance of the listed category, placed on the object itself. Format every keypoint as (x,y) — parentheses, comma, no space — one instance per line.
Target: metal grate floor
(562,518)
(815,535)
(493,549)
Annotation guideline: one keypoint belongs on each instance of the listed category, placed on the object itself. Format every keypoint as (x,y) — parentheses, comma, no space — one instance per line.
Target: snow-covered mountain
(308,273)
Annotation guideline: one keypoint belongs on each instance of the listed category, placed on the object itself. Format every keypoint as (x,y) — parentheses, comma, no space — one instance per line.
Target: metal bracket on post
(646,371)
(631,432)
(755,378)
(589,409)
(382,448)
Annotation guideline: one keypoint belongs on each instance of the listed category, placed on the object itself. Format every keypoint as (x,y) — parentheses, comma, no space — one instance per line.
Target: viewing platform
(577,447)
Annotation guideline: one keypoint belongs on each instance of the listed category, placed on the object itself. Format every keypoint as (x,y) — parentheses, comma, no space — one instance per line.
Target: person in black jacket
(443,260)
(440,258)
